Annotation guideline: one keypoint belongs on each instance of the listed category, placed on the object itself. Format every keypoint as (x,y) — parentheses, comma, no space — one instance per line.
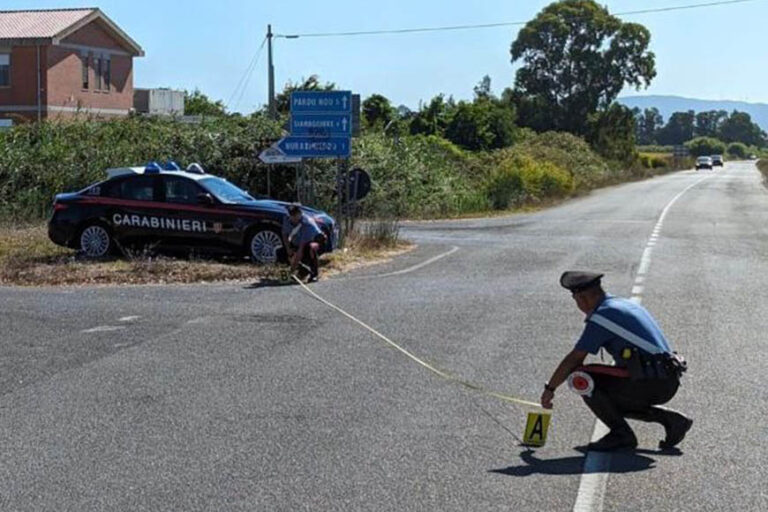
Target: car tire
(265,246)
(95,241)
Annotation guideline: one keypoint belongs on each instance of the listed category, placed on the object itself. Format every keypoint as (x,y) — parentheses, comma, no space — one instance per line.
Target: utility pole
(271,73)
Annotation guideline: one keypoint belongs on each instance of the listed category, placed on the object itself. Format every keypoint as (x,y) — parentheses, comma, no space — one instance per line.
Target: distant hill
(667,105)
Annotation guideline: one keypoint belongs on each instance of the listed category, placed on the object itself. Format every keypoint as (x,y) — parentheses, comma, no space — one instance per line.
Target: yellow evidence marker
(536,429)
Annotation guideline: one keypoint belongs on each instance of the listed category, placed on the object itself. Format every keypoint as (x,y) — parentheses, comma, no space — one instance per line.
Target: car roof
(136,171)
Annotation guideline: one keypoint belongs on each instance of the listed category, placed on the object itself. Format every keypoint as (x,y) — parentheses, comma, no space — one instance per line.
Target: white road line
(594,479)
(104,328)
(406,270)
(129,319)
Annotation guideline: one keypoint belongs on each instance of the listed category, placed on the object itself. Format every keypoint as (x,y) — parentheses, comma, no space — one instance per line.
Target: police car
(174,209)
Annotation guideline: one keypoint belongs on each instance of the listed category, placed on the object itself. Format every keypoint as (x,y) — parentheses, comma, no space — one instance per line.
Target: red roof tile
(38,24)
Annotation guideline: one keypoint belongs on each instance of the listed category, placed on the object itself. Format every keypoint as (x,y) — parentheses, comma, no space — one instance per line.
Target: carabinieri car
(173,209)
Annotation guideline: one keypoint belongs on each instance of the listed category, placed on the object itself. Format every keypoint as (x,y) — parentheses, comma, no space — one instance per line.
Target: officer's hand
(546,399)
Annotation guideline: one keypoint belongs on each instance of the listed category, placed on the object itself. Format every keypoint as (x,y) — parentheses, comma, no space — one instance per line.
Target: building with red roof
(60,63)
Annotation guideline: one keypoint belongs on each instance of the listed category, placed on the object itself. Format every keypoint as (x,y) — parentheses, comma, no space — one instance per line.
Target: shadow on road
(626,462)
(268,283)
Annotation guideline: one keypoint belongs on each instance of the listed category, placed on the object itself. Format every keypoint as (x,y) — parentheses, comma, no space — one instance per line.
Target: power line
(245,79)
(496,25)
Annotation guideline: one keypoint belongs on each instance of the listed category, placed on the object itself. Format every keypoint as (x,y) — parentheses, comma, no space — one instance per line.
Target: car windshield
(225,191)
(703,158)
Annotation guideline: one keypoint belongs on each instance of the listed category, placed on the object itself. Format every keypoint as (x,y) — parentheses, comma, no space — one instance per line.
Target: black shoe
(614,440)
(676,429)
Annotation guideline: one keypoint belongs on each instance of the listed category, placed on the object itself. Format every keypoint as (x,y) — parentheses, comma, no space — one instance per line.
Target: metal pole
(271,73)
(339,201)
(39,86)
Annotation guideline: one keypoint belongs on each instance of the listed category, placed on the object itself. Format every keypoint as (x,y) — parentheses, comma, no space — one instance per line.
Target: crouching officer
(302,239)
(647,372)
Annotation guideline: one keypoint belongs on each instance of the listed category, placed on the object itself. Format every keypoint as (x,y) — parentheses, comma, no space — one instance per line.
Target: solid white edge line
(594,478)
(410,269)
(104,328)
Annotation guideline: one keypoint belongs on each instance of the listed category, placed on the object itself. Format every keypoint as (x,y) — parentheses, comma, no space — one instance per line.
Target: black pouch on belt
(634,363)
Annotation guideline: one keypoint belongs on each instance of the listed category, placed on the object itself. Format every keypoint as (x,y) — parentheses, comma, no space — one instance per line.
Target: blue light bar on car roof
(152,168)
(170,165)
(196,168)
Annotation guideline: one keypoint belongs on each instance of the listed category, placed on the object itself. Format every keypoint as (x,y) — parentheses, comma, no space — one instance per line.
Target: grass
(28,258)
(369,243)
(762,164)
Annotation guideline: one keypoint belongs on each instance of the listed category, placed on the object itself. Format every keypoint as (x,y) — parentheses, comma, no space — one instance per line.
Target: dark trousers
(615,399)
(308,255)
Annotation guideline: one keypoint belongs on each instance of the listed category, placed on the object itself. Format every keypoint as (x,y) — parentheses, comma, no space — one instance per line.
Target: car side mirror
(205,199)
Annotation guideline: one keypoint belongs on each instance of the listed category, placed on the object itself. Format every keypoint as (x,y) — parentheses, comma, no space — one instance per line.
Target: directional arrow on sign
(320,125)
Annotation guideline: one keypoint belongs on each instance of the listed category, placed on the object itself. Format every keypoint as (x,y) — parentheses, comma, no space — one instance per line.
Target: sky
(714,53)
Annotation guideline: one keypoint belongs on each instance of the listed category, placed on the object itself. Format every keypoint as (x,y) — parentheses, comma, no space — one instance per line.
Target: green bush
(738,150)
(417,176)
(38,161)
(573,154)
(519,178)
(705,146)
(655,161)
(655,149)
(762,164)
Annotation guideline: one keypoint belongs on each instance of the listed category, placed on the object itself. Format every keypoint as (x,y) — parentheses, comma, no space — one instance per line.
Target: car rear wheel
(95,241)
(266,246)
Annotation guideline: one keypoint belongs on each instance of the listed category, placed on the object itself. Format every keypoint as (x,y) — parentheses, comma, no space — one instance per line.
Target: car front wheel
(266,247)
(95,241)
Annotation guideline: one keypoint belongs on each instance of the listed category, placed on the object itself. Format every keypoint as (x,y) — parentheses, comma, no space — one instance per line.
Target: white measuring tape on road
(474,387)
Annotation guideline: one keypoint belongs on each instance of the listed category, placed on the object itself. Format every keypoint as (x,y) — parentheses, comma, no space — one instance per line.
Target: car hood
(278,207)
(66,196)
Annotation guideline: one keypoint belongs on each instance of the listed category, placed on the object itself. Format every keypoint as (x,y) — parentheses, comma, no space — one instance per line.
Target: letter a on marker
(536,429)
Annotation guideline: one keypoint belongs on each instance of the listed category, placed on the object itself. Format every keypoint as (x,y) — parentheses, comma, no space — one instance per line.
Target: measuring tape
(474,387)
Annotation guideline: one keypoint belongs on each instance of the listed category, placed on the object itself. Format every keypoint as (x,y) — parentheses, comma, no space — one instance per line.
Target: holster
(642,365)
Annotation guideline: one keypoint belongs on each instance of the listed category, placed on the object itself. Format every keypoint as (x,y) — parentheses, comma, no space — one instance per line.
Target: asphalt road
(232,397)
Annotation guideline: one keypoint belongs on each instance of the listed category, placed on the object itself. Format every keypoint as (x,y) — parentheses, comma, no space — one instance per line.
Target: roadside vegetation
(28,258)
(542,140)
(762,164)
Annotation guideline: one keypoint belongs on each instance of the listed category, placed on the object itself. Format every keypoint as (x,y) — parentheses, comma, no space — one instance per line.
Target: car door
(194,224)
(133,205)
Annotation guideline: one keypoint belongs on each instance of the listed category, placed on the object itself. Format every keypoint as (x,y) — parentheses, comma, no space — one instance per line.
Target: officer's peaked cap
(580,280)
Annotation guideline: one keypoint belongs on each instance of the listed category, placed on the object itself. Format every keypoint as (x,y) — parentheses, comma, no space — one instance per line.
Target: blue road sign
(321,125)
(330,102)
(309,147)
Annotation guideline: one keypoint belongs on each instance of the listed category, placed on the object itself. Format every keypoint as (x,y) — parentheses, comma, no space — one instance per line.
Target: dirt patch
(29,258)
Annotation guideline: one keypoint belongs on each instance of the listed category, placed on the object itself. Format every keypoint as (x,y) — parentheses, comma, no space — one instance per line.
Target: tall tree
(708,123)
(679,129)
(481,125)
(647,123)
(431,119)
(740,128)
(377,111)
(611,132)
(483,88)
(576,59)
